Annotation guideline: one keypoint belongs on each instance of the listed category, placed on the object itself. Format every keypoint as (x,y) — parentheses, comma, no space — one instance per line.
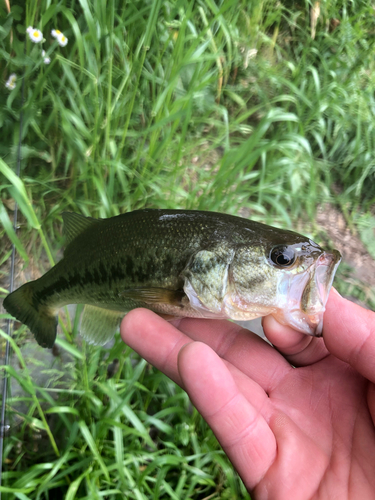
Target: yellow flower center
(36,34)
(63,38)
(58,32)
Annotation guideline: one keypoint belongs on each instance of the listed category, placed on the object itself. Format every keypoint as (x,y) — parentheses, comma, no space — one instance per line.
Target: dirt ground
(348,244)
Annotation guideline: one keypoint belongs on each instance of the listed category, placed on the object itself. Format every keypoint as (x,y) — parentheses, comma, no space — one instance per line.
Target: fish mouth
(307,295)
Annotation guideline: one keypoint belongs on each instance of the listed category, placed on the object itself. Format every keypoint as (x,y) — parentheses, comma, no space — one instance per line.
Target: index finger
(349,334)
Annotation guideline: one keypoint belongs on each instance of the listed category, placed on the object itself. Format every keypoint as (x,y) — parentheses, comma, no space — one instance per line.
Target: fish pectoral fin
(167,317)
(99,325)
(155,295)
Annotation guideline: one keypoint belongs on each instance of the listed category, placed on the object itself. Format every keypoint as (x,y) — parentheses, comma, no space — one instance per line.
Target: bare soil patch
(350,246)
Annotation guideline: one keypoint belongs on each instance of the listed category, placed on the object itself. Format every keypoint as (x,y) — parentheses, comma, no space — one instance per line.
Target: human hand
(291,433)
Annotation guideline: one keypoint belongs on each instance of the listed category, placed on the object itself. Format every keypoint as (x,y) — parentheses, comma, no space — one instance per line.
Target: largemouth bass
(183,263)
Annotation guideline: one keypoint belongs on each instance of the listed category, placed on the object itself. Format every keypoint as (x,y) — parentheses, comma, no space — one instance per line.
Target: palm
(301,433)
(324,434)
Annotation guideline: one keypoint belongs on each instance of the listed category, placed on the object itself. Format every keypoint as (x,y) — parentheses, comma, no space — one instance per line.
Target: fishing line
(3,426)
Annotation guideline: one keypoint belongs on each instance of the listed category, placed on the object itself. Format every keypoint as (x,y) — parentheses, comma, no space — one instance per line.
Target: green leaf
(91,444)
(8,226)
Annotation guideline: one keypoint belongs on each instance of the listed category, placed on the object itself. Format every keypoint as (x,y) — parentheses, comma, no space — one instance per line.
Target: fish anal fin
(155,295)
(98,325)
(75,224)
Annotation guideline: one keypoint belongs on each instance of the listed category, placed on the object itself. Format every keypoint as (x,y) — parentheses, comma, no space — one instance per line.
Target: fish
(178,263)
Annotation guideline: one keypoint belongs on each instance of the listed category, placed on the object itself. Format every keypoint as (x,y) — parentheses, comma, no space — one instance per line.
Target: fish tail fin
(40,318)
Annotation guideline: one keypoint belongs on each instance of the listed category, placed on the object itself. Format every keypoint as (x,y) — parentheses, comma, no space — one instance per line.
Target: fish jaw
(304,296)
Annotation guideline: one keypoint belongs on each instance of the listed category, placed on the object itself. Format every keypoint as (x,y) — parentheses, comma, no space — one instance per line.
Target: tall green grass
(175,104)
(160,104)
(127,434)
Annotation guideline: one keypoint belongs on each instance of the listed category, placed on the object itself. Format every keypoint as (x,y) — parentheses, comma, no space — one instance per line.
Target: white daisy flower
(56,33)
(35,35)
(62,40)
(11,82)
(60,37)
(46,60)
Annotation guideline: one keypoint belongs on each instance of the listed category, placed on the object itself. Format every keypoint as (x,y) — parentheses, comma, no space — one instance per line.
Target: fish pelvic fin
(40,318)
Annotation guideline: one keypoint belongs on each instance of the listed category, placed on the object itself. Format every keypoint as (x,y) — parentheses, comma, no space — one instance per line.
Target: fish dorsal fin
(98,325)
(75,224)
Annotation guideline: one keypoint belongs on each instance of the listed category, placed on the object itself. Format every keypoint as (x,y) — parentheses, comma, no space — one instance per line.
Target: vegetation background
(263,108)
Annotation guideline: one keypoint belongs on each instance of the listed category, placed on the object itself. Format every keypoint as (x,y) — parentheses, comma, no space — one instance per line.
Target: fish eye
(283,256)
